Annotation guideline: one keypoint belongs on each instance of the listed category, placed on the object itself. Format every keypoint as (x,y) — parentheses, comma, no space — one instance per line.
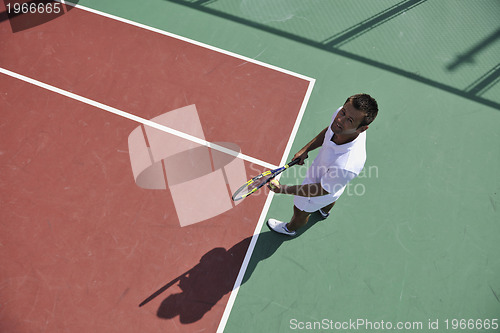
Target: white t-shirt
(334,166)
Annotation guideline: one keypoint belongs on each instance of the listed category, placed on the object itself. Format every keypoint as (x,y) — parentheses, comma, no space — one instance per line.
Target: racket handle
(295,161)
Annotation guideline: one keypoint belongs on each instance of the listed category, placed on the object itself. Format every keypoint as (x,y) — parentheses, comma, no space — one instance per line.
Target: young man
(340,159)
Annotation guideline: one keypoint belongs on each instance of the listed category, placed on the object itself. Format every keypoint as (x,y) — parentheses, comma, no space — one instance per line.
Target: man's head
(355,116)
(366,104)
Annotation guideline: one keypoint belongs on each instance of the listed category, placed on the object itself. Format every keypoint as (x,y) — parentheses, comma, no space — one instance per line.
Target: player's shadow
(215,275)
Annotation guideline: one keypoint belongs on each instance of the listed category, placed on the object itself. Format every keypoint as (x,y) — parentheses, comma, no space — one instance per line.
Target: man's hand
(275,186)
(302,154)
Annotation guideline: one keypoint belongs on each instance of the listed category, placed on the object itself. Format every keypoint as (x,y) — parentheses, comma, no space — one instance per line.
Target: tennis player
(340,159)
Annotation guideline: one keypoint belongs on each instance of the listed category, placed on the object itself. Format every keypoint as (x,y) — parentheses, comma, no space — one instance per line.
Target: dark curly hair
(366,104)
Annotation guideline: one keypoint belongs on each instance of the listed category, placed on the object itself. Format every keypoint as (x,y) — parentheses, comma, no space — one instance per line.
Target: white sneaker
(279,227)
(323,214)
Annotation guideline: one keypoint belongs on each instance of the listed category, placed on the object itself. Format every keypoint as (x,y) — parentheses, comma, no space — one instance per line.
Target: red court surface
(81,245)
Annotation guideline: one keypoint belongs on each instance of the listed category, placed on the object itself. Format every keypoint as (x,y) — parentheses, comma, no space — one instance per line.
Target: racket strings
(253,186)
(259,182)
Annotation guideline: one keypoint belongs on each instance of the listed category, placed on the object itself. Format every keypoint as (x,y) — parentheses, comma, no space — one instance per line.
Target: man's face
(348,120)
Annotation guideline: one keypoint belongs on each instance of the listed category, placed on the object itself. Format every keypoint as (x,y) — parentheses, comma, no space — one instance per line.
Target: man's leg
(299,219)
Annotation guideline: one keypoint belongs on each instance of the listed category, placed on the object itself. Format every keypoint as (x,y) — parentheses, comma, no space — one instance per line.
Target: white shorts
(311,205)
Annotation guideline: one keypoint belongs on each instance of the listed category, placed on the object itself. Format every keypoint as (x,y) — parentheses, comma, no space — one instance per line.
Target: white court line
(253,242)
(188,40)
(267,204)
(258,228)
(137,119)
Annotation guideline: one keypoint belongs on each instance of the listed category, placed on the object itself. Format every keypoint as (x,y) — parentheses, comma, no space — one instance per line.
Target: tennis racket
(257,182)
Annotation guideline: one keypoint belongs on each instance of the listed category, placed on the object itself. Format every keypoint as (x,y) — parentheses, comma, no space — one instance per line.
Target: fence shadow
(333,44)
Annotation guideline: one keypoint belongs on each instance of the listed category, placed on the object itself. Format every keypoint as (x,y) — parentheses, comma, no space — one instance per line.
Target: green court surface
(415,240)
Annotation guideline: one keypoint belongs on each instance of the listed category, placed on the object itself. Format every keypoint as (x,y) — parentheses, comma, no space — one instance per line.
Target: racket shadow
(204,285)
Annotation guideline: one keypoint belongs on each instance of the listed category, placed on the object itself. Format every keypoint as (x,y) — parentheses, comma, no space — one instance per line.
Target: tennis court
(127,125)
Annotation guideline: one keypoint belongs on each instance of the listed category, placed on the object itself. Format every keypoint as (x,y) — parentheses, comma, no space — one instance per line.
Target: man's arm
(313,144)
(307,190)
(331,182)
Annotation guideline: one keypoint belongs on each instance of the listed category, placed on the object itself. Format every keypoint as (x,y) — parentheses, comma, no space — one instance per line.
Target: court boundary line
(262,217)
(267,204)
(188,40)
(135,118)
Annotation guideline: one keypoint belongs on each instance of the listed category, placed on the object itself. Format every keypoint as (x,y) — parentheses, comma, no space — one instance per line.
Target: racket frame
(272,173)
